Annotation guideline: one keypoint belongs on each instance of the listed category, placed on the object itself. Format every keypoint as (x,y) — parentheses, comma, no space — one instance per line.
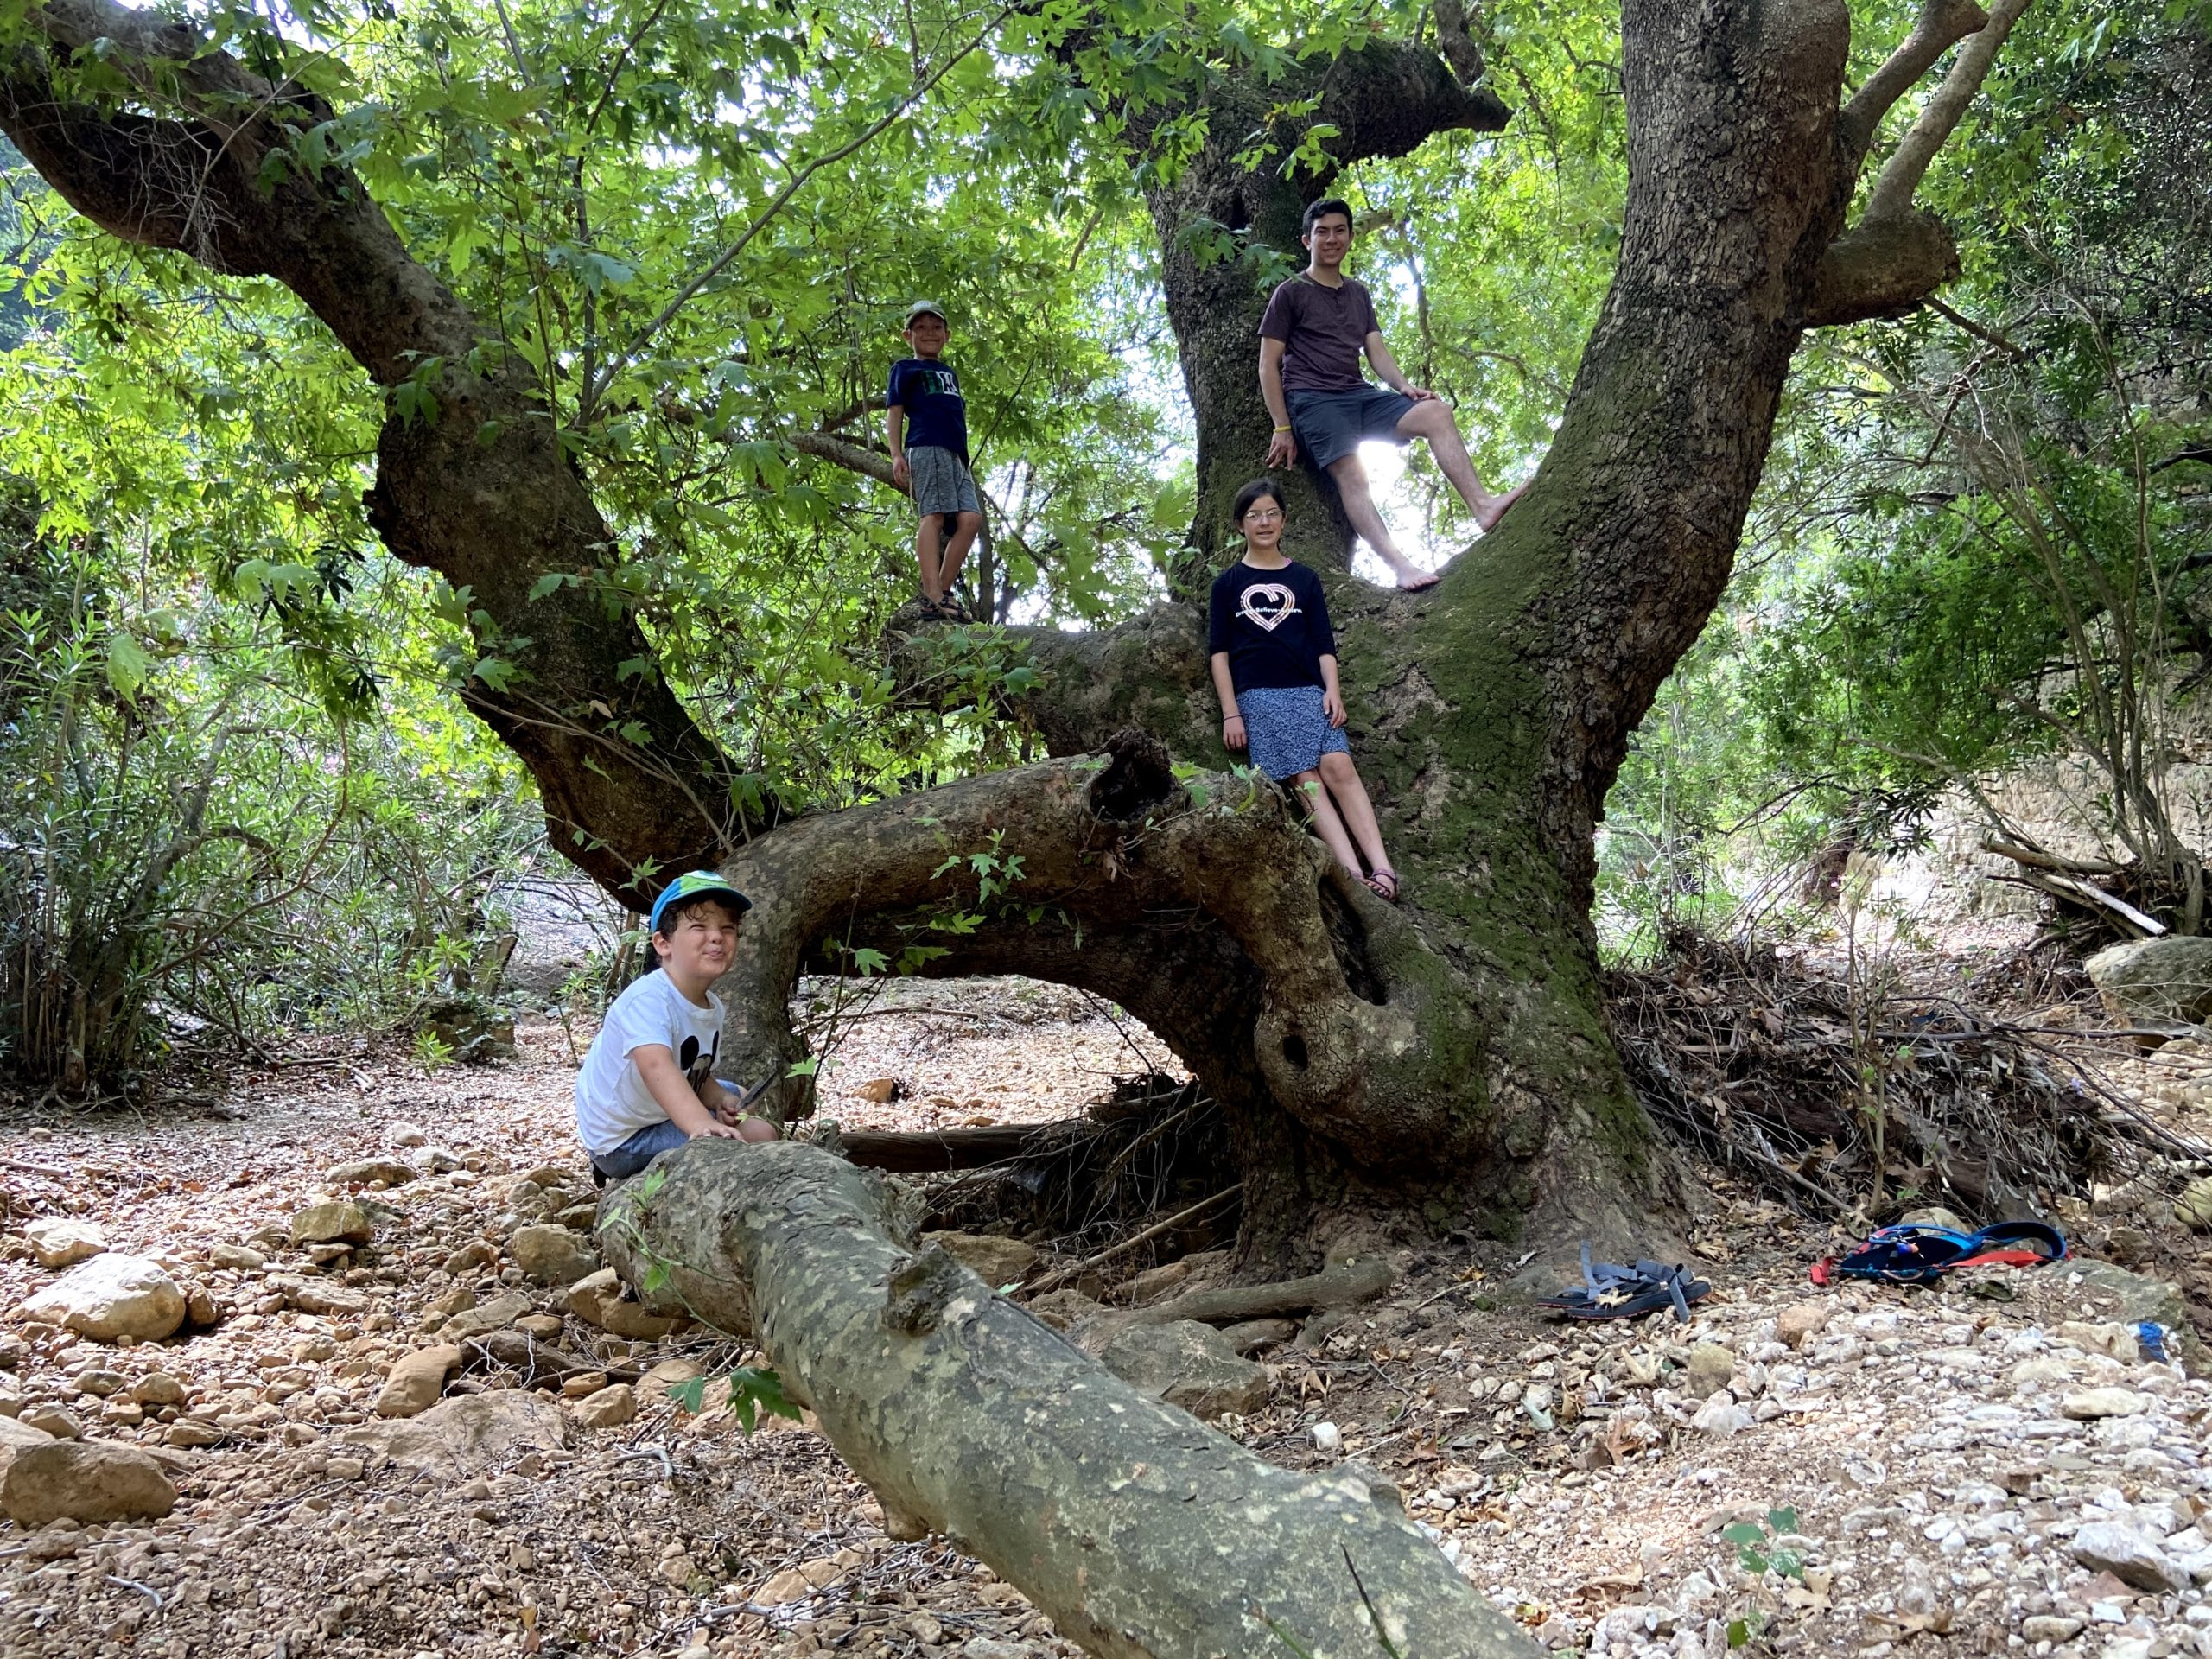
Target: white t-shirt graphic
(613,1103)
(1268,605)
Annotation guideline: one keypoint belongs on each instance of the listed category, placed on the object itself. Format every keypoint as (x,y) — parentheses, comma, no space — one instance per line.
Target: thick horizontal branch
(1088,859)
(1148,673)
(1390,96)
(838,452)
(1140,1531)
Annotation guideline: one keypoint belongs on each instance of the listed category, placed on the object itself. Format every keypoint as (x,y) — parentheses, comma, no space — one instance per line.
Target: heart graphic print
(1266,603)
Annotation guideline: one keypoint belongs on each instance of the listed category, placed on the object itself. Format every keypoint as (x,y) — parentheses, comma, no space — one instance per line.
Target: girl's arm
(1232,723)
(1332,700)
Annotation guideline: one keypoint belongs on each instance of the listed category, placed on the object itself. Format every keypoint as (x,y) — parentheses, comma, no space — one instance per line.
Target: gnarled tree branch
(1897,254)
(479,490)
(1908,164)
(1941,26)
(1092,853)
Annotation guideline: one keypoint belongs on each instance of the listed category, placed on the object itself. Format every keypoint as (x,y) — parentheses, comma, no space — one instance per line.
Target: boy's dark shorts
(1329,425)
(943,483)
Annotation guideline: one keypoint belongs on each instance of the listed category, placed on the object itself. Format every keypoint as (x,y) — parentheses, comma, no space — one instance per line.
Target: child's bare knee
(756,1128)
(1338,769)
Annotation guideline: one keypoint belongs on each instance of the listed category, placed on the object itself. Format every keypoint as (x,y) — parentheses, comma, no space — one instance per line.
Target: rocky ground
(1994,1463)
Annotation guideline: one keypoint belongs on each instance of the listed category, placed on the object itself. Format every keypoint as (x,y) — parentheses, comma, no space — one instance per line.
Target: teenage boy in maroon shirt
(1316,327)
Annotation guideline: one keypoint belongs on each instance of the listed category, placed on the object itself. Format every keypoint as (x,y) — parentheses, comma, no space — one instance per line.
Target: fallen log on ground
(1142,1533)
(913,1152)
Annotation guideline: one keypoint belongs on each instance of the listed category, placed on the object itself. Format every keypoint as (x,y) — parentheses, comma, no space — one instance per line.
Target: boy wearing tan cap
(928,429)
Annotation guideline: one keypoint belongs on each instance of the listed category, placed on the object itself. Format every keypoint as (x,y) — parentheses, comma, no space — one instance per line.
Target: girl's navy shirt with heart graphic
(1274,623)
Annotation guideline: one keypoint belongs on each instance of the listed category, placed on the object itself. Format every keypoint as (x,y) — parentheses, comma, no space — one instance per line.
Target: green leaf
(1782,1520)
(127,664)
(1740,1633)
(495,671)
(690,1393)
(1743,1532)
(757,1387)
(551,582)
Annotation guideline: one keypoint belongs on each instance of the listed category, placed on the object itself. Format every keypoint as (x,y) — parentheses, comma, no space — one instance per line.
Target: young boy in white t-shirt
(648,1082)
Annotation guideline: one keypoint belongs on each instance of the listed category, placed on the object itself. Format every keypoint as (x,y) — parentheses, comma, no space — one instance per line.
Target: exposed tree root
(1141,1531)
(1340,1286)
(1145,1147)
(535,1362)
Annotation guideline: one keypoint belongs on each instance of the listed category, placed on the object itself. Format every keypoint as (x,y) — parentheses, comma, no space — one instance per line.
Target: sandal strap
(1610,1290)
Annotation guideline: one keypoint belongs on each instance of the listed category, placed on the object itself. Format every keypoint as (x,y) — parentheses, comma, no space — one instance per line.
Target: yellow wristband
(1282,428)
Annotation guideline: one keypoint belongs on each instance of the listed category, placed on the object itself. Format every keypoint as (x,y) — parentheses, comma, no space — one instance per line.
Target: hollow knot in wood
(920,1289)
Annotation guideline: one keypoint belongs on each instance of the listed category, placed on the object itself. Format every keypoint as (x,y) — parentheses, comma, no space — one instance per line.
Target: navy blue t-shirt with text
(936,415)
(1274,623)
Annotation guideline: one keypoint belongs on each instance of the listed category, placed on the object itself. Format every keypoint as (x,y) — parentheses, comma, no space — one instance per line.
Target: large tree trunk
(1143,1533)
(1491,715)
(1441,1065)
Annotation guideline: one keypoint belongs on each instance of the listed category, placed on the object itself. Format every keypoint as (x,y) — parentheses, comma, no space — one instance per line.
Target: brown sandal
(1383,883)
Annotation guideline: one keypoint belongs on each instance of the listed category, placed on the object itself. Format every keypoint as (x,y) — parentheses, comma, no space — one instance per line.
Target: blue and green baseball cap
(690,884)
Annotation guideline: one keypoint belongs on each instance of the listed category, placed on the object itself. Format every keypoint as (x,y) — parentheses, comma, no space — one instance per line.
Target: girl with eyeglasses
(1274,670)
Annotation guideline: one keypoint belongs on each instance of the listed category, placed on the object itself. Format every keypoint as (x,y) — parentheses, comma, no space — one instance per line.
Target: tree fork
(1385,99)
(1142,1533)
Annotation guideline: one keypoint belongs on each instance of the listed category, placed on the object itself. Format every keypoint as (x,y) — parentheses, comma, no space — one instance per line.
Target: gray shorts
(1329,425)
(942,483)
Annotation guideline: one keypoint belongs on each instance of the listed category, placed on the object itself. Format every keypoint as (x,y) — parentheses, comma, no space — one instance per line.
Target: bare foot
(1491,510)
(1412,579)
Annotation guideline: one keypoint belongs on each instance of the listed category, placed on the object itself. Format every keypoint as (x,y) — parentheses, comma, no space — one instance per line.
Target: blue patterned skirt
(1288,729)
